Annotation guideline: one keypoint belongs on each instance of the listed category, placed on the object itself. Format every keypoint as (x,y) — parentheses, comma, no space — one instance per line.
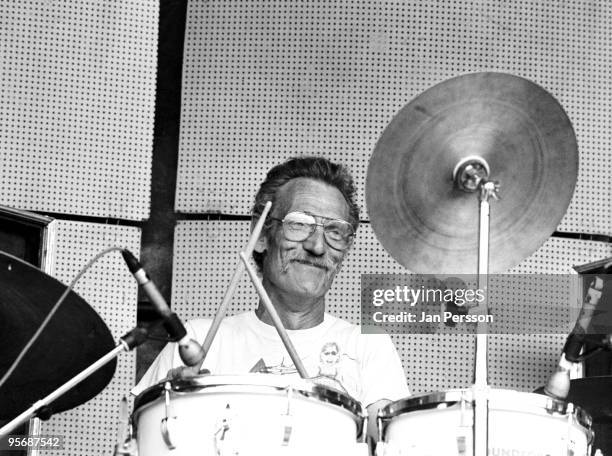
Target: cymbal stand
(130,340)
(471,175)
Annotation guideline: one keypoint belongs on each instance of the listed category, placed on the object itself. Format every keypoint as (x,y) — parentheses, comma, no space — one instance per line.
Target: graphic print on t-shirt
(332,367)
(282,368)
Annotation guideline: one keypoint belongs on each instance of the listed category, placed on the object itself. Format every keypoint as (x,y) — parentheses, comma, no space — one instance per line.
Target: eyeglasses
(299,226)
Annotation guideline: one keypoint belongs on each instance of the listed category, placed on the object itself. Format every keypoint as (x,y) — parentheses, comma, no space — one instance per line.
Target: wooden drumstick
(282,332)
(231,289)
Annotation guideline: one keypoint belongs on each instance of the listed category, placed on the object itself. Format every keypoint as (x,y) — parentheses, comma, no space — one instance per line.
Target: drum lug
(363,438)
(287,420)
(381,448)
(167,423)
(220,443)
(128,448)
(466,396)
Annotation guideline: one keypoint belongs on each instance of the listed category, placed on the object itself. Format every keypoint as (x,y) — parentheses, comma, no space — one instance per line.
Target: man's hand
(184,372)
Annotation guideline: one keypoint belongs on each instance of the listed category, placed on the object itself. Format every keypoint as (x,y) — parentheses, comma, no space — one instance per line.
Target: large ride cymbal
(428,224)
(74,338)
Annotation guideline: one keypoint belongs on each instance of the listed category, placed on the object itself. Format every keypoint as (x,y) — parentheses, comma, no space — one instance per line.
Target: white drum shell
(519,425)
(255,420)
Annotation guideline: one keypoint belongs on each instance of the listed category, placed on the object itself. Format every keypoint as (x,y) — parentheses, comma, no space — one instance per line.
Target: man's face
(306,268)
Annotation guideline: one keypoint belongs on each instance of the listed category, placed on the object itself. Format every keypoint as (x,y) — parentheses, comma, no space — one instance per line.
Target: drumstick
(231,289)
(282,332)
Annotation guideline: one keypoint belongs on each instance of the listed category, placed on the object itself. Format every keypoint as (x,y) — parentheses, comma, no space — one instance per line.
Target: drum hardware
(167,425)
(224,427)
(126,444)
(470,172)
(465,397)
(362,432)
(471,175)
(127,448)
(286,420)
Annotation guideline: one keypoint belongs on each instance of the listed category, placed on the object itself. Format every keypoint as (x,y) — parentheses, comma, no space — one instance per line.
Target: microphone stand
(130,340)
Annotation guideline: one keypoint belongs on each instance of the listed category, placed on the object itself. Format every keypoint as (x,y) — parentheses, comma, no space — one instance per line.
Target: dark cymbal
(74,338)
(593,394)
(429,225)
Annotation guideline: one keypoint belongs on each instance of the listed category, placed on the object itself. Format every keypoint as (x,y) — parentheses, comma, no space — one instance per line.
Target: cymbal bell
(74,338)
(517,128)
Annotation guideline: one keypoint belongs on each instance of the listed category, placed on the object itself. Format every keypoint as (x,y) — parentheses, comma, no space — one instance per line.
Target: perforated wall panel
(91,428)
(206,255)
(77,99)
(266,80)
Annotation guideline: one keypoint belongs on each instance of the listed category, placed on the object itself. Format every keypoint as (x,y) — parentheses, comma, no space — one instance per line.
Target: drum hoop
(427,401)
(321,393)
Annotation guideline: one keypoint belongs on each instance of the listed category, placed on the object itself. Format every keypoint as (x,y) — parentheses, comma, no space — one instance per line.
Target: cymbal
(74,338)
(593,394)
(424,220)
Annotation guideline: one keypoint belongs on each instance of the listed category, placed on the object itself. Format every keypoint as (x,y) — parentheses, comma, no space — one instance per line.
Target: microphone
(559,383)
(190,351)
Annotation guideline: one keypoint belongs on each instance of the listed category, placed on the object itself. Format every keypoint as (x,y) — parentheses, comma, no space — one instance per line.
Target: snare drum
(520,424)
(253,414)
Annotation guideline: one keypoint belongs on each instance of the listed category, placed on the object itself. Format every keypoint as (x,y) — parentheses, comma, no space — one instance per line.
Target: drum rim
(431,400)
(311,390)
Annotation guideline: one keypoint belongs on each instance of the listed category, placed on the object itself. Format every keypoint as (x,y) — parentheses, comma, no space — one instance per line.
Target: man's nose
(315,243)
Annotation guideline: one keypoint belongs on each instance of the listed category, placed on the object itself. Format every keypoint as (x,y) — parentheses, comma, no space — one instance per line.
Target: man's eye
(336,232)
(297,226)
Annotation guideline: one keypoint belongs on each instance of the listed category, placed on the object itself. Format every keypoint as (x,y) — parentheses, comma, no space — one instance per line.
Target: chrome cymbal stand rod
(471,175)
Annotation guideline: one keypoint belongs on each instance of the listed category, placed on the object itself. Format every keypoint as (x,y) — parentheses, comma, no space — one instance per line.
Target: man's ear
(262,243)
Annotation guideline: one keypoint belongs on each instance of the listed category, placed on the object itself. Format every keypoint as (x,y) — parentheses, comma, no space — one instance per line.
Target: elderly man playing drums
(306,236)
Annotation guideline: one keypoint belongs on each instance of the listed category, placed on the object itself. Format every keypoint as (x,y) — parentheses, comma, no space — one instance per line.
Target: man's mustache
(322,263)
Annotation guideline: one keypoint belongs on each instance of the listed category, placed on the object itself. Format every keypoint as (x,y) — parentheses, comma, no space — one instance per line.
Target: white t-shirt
(366,365)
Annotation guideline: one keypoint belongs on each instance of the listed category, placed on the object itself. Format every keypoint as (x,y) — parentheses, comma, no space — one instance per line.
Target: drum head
(498,399)
(518,423)
(252,383)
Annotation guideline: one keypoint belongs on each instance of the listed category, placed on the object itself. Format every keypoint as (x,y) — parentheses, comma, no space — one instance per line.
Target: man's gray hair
(317,168)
